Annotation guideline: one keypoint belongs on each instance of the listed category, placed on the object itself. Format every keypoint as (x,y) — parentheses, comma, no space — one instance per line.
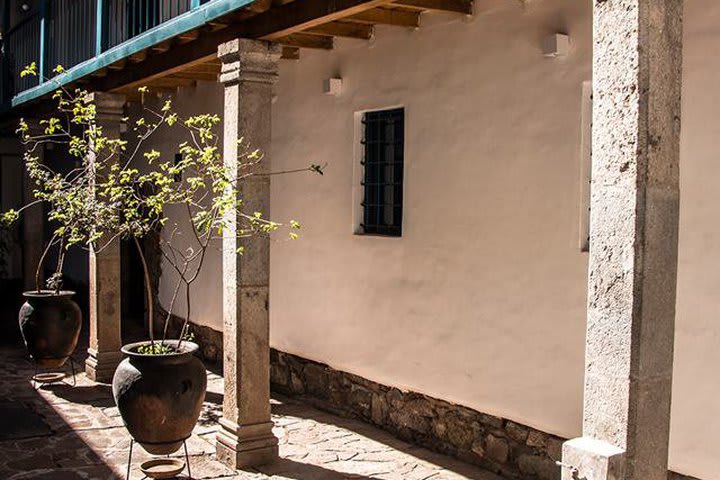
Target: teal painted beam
(195,4)
(182,23)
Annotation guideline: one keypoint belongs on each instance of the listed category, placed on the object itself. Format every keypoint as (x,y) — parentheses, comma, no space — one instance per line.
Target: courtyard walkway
(61,432)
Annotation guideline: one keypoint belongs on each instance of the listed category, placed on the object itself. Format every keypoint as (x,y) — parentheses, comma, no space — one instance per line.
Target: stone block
(316,380)
(516,432)
(541,467)
(592,459)
(536,439)
(497,449)
(379,409)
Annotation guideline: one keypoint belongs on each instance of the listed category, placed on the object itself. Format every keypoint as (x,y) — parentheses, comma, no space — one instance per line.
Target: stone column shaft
(249,70)
(633,244)
(104,278)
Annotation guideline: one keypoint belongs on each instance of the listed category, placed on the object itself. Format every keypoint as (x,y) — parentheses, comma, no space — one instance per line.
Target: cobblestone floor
(68,433)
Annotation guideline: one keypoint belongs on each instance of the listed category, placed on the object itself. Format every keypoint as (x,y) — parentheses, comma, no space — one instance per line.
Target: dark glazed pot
(160,396)
(50,325)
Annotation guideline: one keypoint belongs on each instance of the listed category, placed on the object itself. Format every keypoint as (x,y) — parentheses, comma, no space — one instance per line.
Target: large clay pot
(50,325)
(160,396)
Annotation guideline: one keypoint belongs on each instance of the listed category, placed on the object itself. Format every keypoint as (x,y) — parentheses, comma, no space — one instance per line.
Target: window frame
(360,179)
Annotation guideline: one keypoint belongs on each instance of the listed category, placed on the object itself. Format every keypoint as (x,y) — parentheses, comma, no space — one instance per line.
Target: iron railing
(68,32)
(21,46)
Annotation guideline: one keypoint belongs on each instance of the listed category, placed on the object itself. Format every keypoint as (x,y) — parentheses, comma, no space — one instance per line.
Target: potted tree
(160,385)
(50,320)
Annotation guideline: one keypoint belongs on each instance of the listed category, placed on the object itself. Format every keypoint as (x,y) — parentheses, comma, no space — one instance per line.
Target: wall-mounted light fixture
(332,86)
(556,45)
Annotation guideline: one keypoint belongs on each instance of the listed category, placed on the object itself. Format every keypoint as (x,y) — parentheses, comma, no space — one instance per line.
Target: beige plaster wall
(696,384)
(482,301)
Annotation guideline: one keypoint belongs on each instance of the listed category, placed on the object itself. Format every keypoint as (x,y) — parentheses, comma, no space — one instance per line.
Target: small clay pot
(50,325)
(160,396)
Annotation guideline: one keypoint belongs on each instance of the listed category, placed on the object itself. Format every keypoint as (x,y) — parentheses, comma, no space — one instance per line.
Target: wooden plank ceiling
(295,24)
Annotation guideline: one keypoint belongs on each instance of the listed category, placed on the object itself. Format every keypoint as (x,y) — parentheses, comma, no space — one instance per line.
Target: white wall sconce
(332,86)
(556,45)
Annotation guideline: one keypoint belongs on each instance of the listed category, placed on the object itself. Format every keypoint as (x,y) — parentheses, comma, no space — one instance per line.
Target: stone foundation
(502,446)
(496,444)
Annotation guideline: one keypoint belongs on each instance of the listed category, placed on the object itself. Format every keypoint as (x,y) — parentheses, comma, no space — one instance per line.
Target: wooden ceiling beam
(190,75)
(384,16)
(215,26)
(464,7)
(342,29)
(133,78)
(119,65)
(259,6)
(188,36)
(162,47)
(203,68)
(138,57)
(170,82)
(300,15)
(275,23)
(290,53)
(302,40)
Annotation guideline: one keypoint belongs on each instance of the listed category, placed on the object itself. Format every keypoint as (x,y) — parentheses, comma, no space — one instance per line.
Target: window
(383,135)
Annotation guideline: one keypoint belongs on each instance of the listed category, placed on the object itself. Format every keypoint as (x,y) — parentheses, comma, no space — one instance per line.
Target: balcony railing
(69,32)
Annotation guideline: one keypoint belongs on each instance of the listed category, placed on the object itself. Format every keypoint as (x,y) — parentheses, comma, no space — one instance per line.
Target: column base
(100,366)
(243,446)
(592,459)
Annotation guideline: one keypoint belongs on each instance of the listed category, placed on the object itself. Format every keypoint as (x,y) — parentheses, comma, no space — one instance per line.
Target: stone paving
(60,432)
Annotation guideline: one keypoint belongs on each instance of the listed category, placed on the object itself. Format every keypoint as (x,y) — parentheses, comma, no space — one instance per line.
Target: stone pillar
(633,244)
(249,70)
(33,229)
(104,352)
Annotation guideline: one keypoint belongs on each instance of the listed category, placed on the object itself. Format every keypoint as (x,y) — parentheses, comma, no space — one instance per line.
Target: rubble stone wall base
(497,444)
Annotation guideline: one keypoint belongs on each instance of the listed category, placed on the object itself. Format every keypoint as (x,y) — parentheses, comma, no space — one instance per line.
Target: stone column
(249,70)
(33,229)
(633,243)
(105,342)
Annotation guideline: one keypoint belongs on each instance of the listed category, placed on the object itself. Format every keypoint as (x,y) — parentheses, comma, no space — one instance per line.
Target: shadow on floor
(304,471)
(285,406)
(98,395)
(48,448)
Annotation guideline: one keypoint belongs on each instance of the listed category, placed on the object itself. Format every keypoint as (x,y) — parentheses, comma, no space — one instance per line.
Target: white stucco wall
(482,301)
(696,384)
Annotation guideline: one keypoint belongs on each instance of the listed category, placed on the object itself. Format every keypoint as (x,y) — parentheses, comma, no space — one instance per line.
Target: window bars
(383,158)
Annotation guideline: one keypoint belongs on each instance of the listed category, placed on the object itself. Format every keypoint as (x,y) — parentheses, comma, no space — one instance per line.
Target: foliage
(106,196)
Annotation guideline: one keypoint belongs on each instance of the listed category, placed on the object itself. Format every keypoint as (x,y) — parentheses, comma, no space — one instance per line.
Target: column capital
(245,60)
(109,106)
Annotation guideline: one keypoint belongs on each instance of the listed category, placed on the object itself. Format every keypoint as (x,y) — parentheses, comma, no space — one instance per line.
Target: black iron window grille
(383,158)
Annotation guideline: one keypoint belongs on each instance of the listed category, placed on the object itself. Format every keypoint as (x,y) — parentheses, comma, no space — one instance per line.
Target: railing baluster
(41,55)
(99,21)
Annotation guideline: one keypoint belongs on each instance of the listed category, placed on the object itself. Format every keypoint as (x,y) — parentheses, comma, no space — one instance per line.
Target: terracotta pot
(50,325)
(160,396)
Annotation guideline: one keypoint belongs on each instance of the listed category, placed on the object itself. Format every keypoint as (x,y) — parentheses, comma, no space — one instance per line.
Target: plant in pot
(192,201)
(50,320)
(160,385)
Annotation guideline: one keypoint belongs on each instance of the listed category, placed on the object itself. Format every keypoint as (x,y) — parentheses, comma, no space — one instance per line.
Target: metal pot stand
(187,461)
(43,379)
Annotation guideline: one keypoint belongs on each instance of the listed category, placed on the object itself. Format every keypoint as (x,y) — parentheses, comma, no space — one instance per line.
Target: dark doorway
(132,298)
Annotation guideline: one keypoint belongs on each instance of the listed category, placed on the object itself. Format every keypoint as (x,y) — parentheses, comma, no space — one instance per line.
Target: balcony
(70,32)
(118,45)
